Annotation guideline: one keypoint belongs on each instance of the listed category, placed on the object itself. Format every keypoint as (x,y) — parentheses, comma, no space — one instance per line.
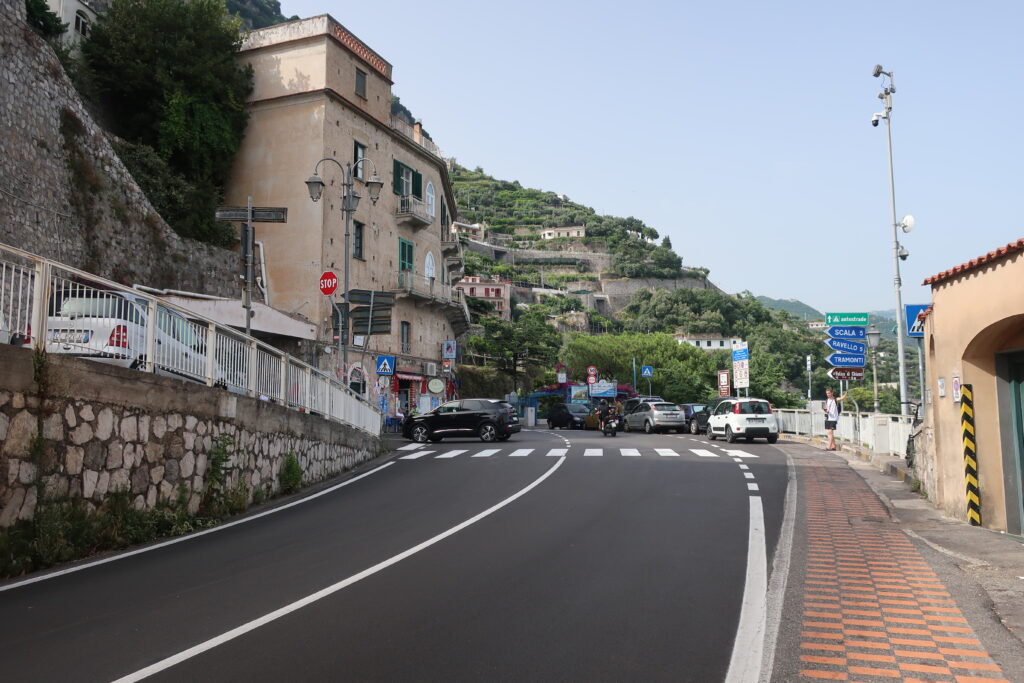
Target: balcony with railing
(414,131)
(413,211)
(449,241)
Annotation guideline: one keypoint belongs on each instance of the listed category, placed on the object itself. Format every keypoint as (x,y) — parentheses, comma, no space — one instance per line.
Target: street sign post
(591,379)
(723,382)
(847,360)
(847,346)
(646,371)
(846,373)
(385,365)
(740,365)
(846,318)
(915,327)
(260,214)
(328,283)
(364,296)
(846,332)
(591,371)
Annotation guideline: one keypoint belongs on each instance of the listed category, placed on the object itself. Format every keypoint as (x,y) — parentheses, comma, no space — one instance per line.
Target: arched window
(357,380)
(429,269)
(430,199)
(81,24)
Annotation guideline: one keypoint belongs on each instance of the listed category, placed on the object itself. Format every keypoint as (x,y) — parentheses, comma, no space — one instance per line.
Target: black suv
(490,419)
(571,415)
(699,419)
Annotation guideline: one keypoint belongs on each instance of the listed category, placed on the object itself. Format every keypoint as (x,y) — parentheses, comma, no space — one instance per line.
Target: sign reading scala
(844,329)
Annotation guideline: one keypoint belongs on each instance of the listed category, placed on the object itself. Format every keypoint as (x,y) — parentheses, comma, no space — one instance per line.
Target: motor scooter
(611,426)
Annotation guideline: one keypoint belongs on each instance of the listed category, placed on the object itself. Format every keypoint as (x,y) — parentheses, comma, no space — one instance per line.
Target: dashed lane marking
(752,487)
(558,452)
(593,452)
(739,454)
(703,453)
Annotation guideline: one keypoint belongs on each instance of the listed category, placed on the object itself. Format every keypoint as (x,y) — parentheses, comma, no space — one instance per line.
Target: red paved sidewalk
(873,609)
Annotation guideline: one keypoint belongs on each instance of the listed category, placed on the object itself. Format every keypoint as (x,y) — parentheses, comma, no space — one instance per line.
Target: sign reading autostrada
(844,329)
(846,318)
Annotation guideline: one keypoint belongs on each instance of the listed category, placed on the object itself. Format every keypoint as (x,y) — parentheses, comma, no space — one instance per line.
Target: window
(406,336)
(357,239)
(357,381)
(358,154)
(430,199)
(81,24)
(407,181)
(444,213)
(405,254)
(361,83)
(429,269)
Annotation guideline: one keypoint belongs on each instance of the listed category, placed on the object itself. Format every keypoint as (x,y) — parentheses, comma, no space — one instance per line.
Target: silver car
(656,417)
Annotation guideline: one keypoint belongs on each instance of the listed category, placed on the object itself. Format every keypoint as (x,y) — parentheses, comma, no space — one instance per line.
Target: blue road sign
(385,365)
(847,346)
(846,332)
(646,371)
(847,360)
(915,328)
(740,354)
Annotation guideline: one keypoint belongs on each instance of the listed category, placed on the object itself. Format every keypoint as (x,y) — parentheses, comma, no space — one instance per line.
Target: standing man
(832,417)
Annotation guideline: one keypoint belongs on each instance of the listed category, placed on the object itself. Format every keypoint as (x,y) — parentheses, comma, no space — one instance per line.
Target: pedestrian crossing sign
(647,371)
(385,365)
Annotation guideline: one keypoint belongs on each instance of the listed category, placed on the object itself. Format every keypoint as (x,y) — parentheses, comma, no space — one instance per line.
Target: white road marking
(417,454)
(181,539)
(185,655)
(450,454)
(748,475)
(668,452)
(410,447)
(744,467)
(485,454)
(520,453)
(752,487)
(631,452)
(739,454)
(594,451)
(558,452)
(703,453)
(748,646)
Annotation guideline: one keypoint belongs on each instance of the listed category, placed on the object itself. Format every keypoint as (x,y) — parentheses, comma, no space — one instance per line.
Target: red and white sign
(723,382)
(592,371)
(846,373)
(328,283)
(591,379)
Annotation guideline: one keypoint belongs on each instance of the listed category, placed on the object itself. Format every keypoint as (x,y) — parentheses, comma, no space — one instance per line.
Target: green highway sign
(846,318)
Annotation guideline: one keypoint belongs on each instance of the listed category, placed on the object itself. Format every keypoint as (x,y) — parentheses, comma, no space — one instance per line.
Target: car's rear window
(577,408)
(754,408)
(665,406)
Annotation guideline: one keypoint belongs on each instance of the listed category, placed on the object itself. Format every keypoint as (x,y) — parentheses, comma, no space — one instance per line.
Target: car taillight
(119,337)
(771,409)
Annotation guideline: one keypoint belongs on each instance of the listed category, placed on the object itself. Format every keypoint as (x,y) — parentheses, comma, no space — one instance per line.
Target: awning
(409,376)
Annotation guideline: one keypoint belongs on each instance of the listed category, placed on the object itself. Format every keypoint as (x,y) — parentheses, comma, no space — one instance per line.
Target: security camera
(874,120)
(903,253)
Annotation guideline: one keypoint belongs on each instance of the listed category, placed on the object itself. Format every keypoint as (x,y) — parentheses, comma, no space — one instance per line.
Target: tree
(43,21)
(165,76)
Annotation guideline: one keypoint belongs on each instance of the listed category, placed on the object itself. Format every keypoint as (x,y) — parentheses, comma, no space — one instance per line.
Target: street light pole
(897,252)
(874,337)
(349,202)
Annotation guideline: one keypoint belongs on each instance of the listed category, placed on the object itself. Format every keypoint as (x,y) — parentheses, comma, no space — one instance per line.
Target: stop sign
(328,283)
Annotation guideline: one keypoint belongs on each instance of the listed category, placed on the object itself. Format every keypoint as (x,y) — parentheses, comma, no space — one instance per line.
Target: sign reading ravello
(846,318)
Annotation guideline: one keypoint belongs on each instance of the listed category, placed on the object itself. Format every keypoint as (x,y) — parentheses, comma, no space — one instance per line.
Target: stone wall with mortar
(64,193)
(108,429)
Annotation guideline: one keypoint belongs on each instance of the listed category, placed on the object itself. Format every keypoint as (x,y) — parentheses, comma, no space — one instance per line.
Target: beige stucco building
(321,93)
(497,293)
(974,335)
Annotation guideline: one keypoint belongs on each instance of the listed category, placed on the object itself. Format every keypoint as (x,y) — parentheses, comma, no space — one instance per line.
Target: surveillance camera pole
(886,97)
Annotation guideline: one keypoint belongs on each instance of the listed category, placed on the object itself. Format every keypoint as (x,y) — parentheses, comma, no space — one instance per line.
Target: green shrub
(290,477)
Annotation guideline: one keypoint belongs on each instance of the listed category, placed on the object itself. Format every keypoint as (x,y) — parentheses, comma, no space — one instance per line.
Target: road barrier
(970,454)
(56,308)
(882,432)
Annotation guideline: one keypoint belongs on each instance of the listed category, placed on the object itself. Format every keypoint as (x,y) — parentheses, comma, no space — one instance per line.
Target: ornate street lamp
(874,337)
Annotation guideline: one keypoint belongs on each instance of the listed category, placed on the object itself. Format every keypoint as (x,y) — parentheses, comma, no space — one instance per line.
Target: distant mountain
(797,308)
(258,13)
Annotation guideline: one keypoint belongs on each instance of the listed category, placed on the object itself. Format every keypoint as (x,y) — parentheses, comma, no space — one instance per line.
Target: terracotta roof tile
(976,262)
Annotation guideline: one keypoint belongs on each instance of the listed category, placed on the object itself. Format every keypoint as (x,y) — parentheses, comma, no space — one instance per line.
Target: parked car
(699,421)
(490,419)
(655,417)
(690,410)
(630,404)
(567,415)
(749,418)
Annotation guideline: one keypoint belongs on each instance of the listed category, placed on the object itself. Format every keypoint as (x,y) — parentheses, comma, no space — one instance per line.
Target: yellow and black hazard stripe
(970,455)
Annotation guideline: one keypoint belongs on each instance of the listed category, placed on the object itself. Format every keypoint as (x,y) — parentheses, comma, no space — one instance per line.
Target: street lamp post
(349,202)
(899,253)
(874,337)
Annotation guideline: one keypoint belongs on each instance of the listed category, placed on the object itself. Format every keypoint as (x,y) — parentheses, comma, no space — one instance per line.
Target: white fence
(881,432)
(56,308)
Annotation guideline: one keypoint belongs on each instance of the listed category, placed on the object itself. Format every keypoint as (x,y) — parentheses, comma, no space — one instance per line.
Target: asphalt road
(457,561)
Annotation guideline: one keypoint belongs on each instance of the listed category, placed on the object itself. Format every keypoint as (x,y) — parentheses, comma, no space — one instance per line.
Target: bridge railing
(881,432)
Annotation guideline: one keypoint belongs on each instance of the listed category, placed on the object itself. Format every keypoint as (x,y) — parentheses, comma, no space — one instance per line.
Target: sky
(742,130)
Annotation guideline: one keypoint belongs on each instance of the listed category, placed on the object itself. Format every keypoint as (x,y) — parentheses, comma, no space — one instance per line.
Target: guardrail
(59,309)
(881,432)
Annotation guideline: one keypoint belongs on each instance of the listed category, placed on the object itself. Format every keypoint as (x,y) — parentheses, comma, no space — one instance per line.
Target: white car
(749,418)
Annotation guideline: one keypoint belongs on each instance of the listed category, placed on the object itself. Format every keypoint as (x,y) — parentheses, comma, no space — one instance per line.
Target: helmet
(604,403)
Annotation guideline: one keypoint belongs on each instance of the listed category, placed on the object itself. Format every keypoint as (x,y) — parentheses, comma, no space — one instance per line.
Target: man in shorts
(832,417)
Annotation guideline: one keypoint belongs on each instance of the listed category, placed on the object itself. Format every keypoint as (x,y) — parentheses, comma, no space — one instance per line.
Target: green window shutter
(417,185)
(405,254)
(397,184)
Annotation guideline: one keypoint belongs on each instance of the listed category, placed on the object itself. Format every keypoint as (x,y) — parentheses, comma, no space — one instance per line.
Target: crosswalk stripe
(748,475)
(703,453)
(594,451)
(417,454)
(629,451)
(752,487)
(486,454)
(410,447)
(520,453)
(450,454)
(557,452)
(666,452)
(739,454)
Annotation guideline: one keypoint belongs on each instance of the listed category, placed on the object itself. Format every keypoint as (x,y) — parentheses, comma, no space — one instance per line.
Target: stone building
(495,292)
(974,336)
(570,231)
(321,93)
(79,15)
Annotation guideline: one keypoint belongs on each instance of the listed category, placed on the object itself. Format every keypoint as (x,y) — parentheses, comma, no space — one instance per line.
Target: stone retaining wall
(108,429)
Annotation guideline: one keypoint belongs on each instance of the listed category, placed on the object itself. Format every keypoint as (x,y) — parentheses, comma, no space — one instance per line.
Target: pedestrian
(832,409)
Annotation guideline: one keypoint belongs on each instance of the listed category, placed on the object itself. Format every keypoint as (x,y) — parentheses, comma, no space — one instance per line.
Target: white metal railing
(415,283)
(406,129)
(408,204)
(881,432)
(59,309)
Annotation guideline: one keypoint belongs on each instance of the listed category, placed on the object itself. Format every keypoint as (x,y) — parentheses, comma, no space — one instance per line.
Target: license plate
(755,419)
(70,336)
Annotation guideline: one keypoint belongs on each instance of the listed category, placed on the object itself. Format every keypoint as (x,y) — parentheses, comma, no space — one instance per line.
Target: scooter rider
(604,412)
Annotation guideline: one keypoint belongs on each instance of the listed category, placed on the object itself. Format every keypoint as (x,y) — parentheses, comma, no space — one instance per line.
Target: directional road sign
(362,296)
(846,332)
(847,360)
(385,365)
(915,327)
(847,346)
(846,373)
(846,318)
(328,283)
(260,214)
(740,354)
(646,371)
